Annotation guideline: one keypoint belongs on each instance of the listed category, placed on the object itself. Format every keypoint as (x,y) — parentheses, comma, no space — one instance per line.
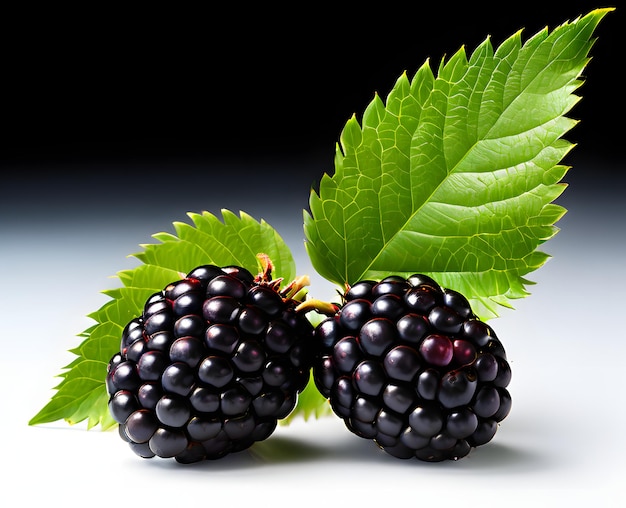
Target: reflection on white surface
(562,440)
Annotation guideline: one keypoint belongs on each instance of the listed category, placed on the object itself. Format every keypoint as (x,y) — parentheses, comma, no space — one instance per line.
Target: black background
(251,83)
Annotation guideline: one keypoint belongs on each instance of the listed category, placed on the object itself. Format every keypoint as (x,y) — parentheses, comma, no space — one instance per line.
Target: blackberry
(407,364)
(211,365)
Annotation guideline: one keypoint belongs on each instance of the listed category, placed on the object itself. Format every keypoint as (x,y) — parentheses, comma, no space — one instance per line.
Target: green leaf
(311,404)
(81,394)
(455,174)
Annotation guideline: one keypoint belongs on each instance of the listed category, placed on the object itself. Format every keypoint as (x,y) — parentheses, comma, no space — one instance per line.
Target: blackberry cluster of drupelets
(210,366)
(406,363)
(219,356)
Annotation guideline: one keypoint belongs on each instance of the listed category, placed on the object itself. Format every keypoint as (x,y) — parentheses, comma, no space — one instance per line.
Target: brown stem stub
(266,267)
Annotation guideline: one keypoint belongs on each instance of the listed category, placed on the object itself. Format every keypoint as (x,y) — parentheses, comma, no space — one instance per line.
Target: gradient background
(117,123)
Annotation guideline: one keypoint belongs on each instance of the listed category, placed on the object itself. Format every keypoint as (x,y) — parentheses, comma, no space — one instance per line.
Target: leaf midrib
(435,189)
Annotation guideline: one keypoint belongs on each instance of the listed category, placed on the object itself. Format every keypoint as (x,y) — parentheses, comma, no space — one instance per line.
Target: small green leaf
(81,394)
(311,404)
(235,240)
(455,174)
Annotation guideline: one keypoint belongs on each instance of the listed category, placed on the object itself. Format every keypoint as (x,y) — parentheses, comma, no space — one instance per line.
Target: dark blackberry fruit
(211,365)
(406,363)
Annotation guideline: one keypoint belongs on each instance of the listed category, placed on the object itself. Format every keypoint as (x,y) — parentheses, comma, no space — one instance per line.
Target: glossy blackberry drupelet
(211,365)
(407,364)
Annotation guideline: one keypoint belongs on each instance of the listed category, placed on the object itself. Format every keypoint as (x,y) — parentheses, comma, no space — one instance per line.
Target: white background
(562,442)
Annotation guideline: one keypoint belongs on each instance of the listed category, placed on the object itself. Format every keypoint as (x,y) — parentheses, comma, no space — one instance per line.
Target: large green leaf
(455,174)
(81,394)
